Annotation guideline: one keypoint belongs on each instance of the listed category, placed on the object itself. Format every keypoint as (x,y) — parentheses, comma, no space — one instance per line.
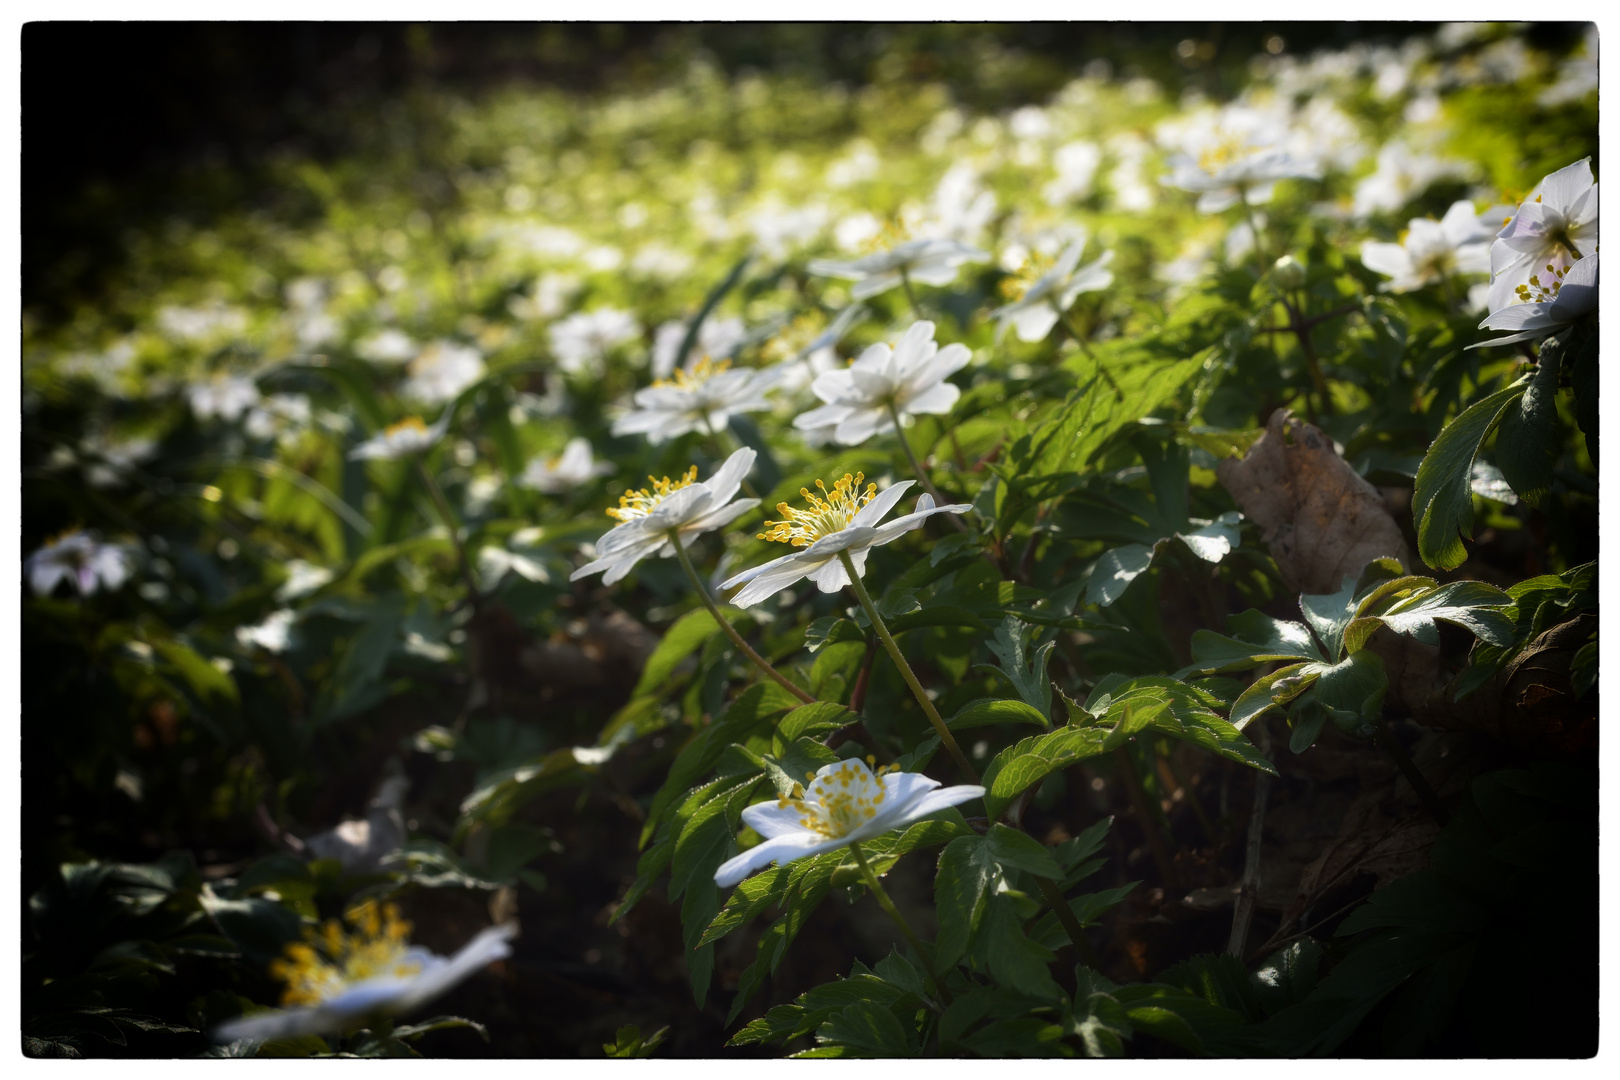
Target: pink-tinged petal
(767,585)
(825,416)
(937,399)
(942,365)
(935,801)
(1391,260)
(862,424)
(876,510)
(877,283)
(1559,190)
(892,530)
(86,578)
(830,577)
(717,518)
(754,572)
(781,849)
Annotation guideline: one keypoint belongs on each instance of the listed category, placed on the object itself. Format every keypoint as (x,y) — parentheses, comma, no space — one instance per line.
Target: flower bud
(1288,272)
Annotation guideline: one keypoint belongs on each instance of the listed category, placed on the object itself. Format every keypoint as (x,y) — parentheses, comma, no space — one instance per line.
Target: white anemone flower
(1401,176)
(842,519)
(584,338)
(929,262)
(337,980)
(906,380)
(702,396)
(390,345)
(224,396)
(716,337)
(844,804)
(1564,298)
(1237,157)
(1050,295)
(410,436)
(78,557)
(272,635)
(1432,251)
(441,371)
(647,516)
(567,472)
(1555,225)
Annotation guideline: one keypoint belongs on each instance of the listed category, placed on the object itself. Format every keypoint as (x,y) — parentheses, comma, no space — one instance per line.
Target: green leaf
(1252,639)
(867,1029)
(1473,605)
(831,630)
(817,718)
(1329,614)
(1530,437)
(1014,959)
(1114,572)
(964,877)
(1583,380)
(796,763)
(1274,690)
(1027,673)
(686,636)
(1442,500)
(1219,979)
(1019,850)
(1287,976)
(1031,760)
(1352,691)
(984,711)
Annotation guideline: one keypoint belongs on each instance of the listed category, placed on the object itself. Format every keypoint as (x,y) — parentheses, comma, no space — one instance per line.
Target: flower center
(825,516)
(643,501)
(1537,293)
(701,372)
(840,799)
(411,424)
(1231,148)
(328,961)
(1016,286)
(795,336)
(891,235)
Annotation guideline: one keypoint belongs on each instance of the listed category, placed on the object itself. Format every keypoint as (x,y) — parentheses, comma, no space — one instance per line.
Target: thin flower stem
(1144,812)
(905,283)
(729,630)
(1074,333)
(443,507)
(1254,228)
(1071,925)
(893,912)
(916,466)
(945,736)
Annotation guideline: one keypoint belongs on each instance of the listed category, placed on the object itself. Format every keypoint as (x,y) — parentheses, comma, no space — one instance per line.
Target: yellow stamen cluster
(825,516)
(1215,158)
(700,373)
(328,960)
(410,423)
(793,337)
(642,501)
(1537,293)
(892,235)
(1015,285)
(840,801)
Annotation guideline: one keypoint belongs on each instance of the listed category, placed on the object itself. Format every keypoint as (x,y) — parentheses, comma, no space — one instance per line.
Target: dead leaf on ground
(1318,516)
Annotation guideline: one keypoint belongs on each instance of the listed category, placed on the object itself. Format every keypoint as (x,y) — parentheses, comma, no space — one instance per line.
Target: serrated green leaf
(984,711)
(1019,850)
(1442,500)
(1352,692)
(1273,690)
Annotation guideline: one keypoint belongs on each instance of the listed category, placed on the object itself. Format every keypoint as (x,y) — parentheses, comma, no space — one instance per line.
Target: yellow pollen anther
(410,423)
(643,501)
(329,960)
(700,373)
(825,515)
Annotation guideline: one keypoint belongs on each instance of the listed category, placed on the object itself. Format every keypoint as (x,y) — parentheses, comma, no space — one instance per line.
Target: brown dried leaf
(1320,519)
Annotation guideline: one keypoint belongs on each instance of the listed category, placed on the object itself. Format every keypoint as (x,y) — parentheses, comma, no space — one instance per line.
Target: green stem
(916,466)
(945,736)
(1145,812)
(443,507)
(905,283)
(729,630)
(893,912)
(1254,228)
(1071,925)
(1074,333)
